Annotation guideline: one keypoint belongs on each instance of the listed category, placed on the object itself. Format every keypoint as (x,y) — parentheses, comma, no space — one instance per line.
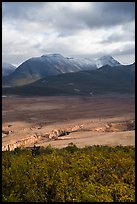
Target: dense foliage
(94,173)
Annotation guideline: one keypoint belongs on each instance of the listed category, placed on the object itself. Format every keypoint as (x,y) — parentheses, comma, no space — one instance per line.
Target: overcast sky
(91,29)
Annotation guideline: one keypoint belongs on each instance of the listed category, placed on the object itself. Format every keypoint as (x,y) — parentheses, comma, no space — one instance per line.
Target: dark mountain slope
(105,80)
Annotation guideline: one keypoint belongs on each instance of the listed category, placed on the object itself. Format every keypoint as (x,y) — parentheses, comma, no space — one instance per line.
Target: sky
(73,29)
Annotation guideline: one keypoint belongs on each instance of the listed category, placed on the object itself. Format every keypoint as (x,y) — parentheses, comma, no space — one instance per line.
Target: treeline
(71,174)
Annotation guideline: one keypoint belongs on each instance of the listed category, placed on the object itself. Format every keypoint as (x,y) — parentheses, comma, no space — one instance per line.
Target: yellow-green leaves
(90,174)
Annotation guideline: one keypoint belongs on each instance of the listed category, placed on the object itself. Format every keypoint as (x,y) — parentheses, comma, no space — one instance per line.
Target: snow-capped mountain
(7,69)
(38,67)
(59,62)
(91,64)
(106,60)
(83,63)
(53,64)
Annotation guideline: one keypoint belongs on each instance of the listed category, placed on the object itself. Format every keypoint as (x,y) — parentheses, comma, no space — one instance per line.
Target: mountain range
(54,74)
(36,68)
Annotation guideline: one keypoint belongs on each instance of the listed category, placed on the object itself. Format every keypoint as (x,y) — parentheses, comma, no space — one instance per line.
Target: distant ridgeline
(54,74)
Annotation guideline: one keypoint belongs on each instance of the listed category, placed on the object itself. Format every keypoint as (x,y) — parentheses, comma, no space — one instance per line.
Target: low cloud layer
(71,28)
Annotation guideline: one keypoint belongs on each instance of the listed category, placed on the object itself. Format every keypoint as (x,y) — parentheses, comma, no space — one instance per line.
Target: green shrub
(71,174)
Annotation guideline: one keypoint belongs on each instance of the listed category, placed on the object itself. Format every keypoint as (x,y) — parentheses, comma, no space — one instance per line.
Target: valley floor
(105,120)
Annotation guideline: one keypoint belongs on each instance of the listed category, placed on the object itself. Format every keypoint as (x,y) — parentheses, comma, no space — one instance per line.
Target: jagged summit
(106,60)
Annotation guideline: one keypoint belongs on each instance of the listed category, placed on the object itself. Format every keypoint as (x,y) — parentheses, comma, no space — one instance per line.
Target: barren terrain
(58,121)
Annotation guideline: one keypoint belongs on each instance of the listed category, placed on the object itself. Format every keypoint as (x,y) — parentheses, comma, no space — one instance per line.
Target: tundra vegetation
(93,173)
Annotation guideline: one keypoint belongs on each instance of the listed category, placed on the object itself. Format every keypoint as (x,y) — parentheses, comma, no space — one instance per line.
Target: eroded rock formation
(55,134)
(58,133)
(20,143)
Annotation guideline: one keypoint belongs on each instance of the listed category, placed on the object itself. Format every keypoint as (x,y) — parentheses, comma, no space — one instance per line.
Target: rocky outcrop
(20,143)
(76,128)
(57,133)
(34,138)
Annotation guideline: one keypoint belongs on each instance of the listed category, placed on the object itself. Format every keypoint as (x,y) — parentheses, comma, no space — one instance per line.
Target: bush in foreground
(94,174)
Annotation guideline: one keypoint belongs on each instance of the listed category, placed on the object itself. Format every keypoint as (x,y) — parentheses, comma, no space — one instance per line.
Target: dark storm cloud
(20,10)
(95,16)
(65,18)
(71,28)
(109,14)
(123,8)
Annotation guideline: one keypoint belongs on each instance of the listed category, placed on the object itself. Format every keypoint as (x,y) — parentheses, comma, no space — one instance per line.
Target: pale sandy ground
(29,116)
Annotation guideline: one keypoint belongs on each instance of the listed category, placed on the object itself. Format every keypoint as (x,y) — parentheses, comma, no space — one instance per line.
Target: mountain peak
(106,60)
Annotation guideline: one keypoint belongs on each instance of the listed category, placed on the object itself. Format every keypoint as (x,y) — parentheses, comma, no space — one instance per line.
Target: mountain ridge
(105,80)
(36,68)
